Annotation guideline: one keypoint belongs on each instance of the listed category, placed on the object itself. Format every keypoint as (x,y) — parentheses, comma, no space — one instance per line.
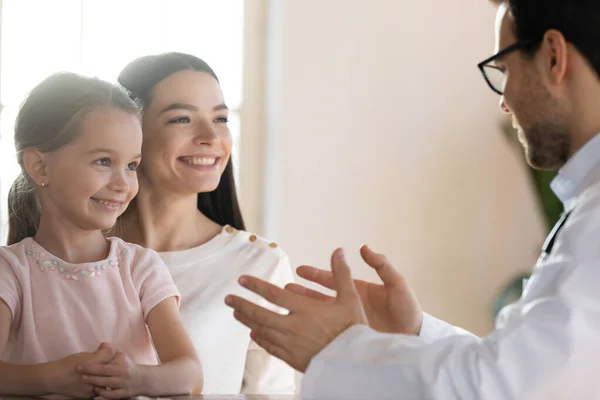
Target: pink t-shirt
(59,309)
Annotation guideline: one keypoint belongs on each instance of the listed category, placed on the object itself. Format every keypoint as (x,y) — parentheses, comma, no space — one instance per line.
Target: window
(98,38)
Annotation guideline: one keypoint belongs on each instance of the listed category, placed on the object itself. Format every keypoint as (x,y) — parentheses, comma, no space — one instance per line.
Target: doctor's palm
(391,307)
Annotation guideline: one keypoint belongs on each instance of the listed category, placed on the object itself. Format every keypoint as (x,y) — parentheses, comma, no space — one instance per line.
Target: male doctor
(374,342)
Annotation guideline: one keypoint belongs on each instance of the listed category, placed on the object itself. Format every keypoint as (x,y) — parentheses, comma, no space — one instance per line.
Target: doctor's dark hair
(577,20)
(140,77)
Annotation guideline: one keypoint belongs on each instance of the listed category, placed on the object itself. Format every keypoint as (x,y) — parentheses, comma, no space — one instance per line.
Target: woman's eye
(180,120)
(222,120)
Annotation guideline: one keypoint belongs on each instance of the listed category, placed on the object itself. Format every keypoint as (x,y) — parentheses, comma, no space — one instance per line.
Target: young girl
(81,315)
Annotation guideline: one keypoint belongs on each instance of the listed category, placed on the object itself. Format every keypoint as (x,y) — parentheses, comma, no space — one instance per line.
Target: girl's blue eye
(105,162)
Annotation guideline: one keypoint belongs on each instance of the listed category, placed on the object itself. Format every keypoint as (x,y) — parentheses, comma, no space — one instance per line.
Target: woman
(187,210)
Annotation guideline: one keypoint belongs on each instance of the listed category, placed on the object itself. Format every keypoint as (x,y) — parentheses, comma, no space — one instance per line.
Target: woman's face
(187,142)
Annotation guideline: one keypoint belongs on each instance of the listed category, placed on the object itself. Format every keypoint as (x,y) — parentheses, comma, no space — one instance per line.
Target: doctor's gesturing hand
(316,319)
(311,323)
(390,308)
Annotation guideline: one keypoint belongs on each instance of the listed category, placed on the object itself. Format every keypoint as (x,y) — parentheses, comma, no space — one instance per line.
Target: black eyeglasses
(494,76)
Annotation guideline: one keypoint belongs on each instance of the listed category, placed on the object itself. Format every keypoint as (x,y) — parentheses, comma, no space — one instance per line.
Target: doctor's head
(546,69)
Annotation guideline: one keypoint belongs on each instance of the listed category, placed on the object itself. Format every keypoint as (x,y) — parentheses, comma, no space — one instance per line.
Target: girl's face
(90,182)
(187,142)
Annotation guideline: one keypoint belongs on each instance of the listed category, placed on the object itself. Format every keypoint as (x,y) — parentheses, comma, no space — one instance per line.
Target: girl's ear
(34,164)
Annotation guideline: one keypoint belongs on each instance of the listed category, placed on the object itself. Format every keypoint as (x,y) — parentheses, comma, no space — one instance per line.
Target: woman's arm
(263,373)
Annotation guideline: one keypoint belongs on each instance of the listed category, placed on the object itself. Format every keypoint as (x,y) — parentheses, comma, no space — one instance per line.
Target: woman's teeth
(199,160)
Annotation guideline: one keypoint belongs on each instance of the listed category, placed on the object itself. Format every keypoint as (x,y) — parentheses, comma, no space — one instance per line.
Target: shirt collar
(567,184)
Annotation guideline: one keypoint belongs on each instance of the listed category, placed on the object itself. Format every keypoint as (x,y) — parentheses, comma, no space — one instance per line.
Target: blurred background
(354,122)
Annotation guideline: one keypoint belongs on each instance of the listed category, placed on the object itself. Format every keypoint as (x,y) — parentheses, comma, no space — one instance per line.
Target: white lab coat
(545,346)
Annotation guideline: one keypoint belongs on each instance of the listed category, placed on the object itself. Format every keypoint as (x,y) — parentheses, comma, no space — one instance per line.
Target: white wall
(382,131)
(253,125)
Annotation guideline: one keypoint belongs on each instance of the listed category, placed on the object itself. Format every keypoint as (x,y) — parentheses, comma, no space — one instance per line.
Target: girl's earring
(43,184)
